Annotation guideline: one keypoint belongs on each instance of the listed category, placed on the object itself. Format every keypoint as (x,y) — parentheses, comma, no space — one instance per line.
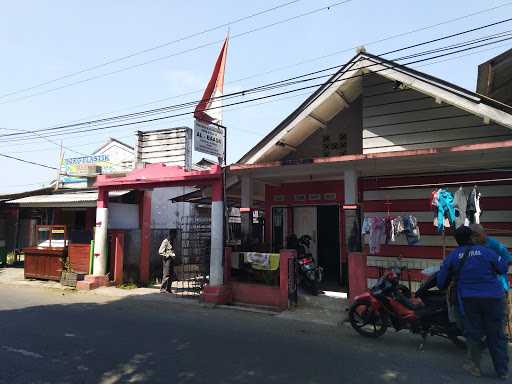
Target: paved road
(48,336)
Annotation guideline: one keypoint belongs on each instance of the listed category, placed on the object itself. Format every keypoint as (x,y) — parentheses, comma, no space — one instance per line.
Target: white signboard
(208,139)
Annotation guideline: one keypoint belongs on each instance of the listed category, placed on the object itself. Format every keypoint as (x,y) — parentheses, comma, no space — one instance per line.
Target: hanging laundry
(375,229)
(460,202)
(445,206)
(473,211)
(397,227)
(433,198)
(388,229)
(411,229)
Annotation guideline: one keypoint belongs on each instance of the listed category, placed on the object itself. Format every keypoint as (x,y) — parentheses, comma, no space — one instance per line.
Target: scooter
(390,304)
(309,273)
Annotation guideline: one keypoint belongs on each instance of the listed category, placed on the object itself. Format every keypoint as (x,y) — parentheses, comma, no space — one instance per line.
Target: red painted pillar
(289,222)
(118,257)
(145,235)
(268,216)
(357,282)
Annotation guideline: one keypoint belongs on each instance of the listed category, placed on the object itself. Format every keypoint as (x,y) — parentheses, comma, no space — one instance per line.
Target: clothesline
(447,183)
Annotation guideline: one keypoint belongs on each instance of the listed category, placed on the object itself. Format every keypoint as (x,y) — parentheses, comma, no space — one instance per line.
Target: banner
(209,139)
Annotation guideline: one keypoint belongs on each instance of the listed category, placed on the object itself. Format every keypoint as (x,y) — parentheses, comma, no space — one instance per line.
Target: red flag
(209,109)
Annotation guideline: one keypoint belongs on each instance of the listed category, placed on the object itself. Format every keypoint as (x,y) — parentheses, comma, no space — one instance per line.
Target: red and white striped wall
(411,195)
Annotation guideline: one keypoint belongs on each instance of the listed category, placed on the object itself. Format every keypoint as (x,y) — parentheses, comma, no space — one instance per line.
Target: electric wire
(156,47)
(325,84)
(274,85)
(179,53)
(482,11)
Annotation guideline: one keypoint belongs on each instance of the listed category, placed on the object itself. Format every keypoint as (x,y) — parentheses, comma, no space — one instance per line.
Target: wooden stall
(44,260)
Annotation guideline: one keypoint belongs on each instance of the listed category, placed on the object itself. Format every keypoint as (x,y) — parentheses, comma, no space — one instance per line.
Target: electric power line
(274,85)
(150,49)
(482,11)
(28,161)
(179,53)
(273,95)
(284,92)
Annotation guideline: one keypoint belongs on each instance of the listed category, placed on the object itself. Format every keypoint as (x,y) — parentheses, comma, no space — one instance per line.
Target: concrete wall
(164,214)
(396,119)
(123,216)
(343,136)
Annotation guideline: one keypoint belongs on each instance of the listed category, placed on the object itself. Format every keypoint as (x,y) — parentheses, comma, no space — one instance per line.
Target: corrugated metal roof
(78,199)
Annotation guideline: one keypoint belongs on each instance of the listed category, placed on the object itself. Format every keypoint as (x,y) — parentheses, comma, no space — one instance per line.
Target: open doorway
(328,223)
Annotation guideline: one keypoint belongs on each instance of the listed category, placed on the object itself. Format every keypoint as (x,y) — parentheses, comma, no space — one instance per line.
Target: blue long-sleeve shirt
(502,251)
(479,275)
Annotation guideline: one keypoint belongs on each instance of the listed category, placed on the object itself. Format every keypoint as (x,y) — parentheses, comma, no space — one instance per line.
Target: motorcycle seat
(410,303)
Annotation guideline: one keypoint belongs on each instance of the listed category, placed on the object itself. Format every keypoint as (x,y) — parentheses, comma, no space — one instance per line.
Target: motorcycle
(390,304)
(309,273)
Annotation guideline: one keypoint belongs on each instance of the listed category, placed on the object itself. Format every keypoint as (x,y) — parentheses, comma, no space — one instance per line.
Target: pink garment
(377,234)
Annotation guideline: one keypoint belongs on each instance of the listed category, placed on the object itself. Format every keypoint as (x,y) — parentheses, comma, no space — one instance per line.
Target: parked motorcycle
(309,273)
(390,304)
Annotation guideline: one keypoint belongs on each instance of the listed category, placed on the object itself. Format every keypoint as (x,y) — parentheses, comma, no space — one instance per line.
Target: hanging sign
(209,139)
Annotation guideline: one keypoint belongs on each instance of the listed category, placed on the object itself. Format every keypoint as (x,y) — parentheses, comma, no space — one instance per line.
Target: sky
(43,40)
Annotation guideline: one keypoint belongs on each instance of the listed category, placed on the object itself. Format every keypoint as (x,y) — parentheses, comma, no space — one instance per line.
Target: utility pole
(59,168)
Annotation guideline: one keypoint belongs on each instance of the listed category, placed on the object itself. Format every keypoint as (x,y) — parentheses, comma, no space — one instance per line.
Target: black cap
(463,235)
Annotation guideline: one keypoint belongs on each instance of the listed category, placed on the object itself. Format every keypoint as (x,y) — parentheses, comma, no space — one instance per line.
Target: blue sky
(43,40)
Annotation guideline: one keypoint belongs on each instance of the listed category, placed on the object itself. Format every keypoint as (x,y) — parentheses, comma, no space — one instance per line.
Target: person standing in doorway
(168,255)
(474,270)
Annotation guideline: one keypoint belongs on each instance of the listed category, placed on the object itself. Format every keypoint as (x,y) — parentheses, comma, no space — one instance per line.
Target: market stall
(45,259)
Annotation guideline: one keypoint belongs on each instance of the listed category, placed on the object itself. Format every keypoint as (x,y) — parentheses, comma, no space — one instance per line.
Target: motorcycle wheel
(314,288)
(366,321)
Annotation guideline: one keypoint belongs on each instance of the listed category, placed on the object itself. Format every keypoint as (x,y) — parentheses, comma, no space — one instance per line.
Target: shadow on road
(72,338)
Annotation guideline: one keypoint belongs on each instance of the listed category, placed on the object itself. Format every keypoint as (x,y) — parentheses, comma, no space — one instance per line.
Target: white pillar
(100,242)
(350,183)
(246,216)
(217,248)
(217,236)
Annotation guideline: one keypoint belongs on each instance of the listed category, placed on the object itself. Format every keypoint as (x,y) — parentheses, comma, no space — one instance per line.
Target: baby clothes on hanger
(375,229)
(411,229)
(397,227)
(460,202)
(445,206)
(473,211)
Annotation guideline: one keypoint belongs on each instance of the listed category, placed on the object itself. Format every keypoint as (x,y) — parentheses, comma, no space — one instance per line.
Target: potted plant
(68,277)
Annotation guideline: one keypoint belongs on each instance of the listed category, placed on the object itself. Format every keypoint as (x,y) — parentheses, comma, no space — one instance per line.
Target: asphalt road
(47,336)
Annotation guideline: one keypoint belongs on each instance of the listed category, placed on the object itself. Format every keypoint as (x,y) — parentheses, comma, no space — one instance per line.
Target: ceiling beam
(342,98)
(322,123)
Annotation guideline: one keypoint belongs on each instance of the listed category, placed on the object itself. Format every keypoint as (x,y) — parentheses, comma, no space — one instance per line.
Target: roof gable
(345,86)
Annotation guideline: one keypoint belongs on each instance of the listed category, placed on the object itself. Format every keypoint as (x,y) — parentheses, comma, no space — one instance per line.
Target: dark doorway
(329,244)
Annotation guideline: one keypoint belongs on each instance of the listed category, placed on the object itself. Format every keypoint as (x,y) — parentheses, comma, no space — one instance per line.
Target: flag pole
(224,164)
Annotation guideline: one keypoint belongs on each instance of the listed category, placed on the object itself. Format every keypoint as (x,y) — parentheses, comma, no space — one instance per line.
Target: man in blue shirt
(481,299)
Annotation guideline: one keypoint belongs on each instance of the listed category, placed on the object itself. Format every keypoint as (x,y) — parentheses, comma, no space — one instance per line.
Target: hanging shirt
(445,206)
(460,202)
(375,228)
(397,227)
(411,229)
(473,210)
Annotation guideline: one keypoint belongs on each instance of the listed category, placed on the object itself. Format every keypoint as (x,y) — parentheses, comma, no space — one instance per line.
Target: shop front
(366,150)
(313,210)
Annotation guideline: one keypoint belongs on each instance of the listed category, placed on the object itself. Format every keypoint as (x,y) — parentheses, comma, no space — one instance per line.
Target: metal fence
(192,266)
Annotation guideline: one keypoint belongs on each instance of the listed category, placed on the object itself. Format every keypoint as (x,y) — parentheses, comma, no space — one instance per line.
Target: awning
(66,200)
(486,156)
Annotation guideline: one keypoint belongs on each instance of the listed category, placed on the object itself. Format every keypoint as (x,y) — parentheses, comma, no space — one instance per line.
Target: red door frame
(309,189)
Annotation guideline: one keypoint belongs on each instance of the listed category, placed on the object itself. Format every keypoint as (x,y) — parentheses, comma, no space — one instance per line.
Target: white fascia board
(438,93)
(328,92)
